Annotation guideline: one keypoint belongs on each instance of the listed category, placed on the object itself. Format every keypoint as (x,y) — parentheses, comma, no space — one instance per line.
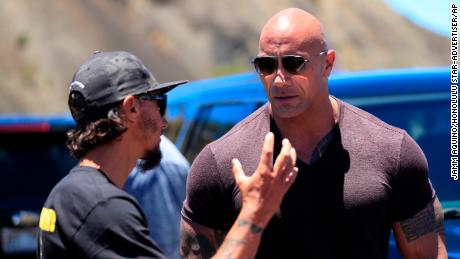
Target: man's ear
(129,107)
(330,58)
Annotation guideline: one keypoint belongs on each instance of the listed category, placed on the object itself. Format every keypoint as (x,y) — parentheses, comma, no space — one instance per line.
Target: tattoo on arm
(254,228)
(229,245)
(198,245)
(429,219)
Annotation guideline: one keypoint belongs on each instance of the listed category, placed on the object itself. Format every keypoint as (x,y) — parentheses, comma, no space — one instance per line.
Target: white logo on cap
(79,84)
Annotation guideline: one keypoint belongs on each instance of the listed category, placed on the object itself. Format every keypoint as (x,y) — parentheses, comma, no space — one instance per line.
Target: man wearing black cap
(119,107)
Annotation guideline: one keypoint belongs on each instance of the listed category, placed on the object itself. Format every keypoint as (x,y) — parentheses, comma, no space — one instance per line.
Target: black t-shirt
(87,216)
(343,205)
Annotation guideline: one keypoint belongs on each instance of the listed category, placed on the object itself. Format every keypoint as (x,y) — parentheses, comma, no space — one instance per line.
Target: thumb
(237,171)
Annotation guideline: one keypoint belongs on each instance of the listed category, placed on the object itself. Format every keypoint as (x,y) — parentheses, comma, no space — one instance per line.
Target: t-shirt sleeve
(412,189)
(206,202)
(115,228)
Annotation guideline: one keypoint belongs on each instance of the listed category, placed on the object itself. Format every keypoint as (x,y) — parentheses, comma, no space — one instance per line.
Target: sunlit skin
(138,140)
(300,102)
(151,124)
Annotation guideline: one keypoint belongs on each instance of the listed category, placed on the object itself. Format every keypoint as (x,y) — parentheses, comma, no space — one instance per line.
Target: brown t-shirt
(341,206)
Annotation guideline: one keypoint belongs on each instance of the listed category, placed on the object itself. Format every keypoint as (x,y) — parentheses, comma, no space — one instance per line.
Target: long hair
(92,134)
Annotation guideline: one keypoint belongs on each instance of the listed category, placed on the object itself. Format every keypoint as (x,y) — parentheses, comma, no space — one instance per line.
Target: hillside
(43,42)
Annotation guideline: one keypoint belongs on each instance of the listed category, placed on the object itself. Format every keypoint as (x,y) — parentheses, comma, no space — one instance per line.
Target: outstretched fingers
(237,171)
(263,191)
(293,174)
(293,156)
(283,170)
(266,158)
(285,162)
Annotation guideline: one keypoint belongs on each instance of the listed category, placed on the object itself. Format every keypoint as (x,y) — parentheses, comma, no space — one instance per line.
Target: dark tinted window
(213,122)
(428,122)
(30,165)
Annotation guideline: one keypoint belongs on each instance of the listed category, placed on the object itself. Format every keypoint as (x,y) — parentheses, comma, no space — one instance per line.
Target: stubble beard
(151,159)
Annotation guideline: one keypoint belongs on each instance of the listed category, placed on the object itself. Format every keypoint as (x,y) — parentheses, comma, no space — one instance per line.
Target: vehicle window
(175,115)
(30,165)
(428,122)
(213,122)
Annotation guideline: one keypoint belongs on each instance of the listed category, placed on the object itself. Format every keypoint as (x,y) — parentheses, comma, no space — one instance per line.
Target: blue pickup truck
(33,156)
(417,100)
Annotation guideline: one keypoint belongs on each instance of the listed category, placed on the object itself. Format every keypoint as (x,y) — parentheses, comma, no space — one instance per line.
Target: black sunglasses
(160,98)
(267,65)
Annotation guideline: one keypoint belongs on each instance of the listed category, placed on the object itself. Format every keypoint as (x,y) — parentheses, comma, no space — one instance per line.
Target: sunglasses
(160,98)
(267,65)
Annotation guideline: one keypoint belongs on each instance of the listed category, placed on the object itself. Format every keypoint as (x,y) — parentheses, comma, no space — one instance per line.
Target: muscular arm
(419,233)
(422,235)
(261,194)
(198,241)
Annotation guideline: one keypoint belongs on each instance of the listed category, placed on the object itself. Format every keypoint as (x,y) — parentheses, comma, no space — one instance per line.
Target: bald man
(358,179)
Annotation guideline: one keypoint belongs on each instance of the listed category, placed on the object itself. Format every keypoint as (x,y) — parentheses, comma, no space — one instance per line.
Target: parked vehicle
(417,100)
(33,158)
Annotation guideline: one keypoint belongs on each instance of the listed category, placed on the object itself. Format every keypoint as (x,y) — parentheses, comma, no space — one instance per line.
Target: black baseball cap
(105,79)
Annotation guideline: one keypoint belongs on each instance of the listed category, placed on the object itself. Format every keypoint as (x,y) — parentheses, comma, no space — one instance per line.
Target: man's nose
(280,77)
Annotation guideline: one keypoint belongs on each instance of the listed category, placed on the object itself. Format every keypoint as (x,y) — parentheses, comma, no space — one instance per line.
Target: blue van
(415,99)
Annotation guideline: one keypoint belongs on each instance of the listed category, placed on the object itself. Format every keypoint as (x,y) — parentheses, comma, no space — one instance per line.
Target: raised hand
(261,195)
(263,191)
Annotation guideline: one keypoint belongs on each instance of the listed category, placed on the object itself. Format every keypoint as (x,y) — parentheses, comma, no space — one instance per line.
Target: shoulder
(366,134)
(244,142)
(351,116)
(116,227)
(118,212)
(212,167)
(412,160)
(204,168)
(364,129)
(89,183)
(81,191)
(248,126)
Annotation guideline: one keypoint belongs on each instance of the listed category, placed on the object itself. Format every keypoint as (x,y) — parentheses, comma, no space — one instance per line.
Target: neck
(113,160)
(307,129)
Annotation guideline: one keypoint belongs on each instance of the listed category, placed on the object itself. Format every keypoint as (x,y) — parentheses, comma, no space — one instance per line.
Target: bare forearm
(242,241)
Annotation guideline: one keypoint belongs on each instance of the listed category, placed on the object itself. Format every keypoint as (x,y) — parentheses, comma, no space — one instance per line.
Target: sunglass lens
(293,64)
(265,65)
(162,105)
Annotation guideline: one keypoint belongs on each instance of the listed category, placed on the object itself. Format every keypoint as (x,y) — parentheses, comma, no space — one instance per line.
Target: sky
(433,15)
